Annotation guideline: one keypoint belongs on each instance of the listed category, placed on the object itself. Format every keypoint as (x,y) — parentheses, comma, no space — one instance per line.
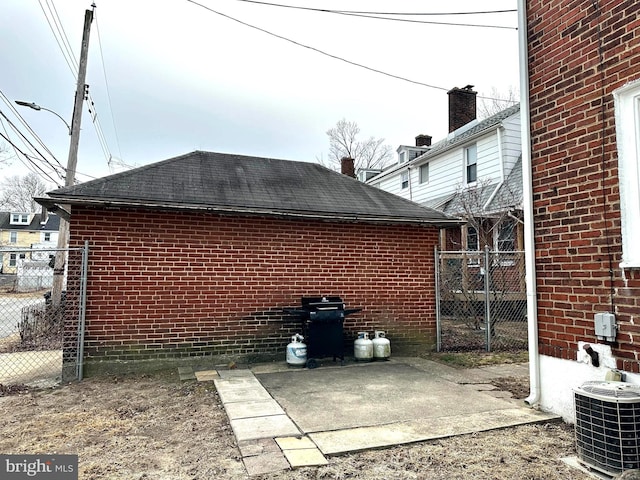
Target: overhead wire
(32,132)
(62,40)
(390,15)
(106,82)
(317,50)
(322,52)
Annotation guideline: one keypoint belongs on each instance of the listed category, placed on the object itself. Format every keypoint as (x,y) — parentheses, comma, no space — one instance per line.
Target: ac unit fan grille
(607,431)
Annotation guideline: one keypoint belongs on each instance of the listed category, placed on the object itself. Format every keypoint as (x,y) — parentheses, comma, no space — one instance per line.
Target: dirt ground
(157,427)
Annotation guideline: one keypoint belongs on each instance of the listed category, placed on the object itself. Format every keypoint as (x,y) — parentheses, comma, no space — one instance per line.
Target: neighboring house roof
(53,223)
(509,194)
(240,184)
(455,139)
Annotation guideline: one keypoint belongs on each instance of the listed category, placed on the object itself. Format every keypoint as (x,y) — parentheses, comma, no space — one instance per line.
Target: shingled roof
(229,183)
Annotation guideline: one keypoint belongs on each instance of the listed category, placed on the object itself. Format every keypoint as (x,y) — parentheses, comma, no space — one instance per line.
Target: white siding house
(492,145)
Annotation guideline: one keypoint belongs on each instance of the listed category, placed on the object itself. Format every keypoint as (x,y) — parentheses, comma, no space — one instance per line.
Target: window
(13,258)
(472,239)
(19,219)
(627,108)
(402,157)
(404,179)
(507,237)
(46,237)
(471,162)
(473,245)
(424,173)
(13,237)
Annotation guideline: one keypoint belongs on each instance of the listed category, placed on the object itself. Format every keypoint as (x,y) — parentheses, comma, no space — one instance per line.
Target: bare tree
(344,142)
(496,101)
(16,192)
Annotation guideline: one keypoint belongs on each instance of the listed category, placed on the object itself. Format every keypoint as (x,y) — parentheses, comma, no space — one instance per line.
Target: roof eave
(57,204)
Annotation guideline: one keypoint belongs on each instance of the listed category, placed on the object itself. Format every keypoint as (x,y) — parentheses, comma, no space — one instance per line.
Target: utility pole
(70,178)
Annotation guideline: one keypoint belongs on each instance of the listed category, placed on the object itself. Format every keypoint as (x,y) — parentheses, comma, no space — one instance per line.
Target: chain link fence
(41,316)
(481,301)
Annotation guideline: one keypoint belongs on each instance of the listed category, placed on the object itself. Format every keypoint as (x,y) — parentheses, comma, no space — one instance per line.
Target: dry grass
(156,427)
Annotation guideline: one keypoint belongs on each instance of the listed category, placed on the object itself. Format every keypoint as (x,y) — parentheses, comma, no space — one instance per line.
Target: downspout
(409,176)
(527,201)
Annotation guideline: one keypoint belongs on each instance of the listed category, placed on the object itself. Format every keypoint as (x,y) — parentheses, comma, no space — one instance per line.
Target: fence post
(438,321)
(487,296)
(82,310)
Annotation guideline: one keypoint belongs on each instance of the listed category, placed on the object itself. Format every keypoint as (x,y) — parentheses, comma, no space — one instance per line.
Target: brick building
(583,96)
(198,255)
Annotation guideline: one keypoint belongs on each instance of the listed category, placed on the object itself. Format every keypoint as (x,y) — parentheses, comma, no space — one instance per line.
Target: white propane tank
(381,346)
(363,347)
(297,351)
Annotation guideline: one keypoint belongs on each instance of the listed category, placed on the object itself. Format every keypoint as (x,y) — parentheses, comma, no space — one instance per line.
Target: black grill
(322,324)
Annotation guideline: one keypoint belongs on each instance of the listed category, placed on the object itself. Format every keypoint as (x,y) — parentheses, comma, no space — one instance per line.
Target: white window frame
(421,173)
(13,236)
(404,179)
(627,110)
(46,236)
(470,162)
(402,157)
(19,219)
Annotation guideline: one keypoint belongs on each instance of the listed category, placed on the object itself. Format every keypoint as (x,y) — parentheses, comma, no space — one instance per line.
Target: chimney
(462,106)
(423,140)
(347,167)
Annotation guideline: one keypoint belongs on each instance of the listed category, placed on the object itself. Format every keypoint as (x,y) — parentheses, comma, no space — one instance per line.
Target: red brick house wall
(579,53)
(178,284)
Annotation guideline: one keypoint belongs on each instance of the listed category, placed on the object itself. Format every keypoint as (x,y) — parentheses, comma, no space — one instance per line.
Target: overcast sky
(180,77)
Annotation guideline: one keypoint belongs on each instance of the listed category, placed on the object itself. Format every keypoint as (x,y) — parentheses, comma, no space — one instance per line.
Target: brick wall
(573,47)
(169,284)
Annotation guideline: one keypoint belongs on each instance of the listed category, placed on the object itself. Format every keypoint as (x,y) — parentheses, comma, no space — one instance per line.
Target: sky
(172,76)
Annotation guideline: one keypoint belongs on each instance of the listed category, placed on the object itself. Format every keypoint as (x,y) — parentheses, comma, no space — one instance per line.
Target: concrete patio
(286,417)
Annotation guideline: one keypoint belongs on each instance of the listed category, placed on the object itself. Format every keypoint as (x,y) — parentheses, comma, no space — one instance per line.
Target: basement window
(627,110)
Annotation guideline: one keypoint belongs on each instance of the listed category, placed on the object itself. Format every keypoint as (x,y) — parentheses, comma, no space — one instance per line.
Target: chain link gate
(41,336)
(481,301)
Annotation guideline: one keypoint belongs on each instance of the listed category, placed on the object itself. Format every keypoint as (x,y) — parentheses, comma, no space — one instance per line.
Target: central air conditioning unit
(608,426)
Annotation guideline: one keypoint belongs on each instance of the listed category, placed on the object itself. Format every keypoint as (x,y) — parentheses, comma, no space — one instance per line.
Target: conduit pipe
(527,201)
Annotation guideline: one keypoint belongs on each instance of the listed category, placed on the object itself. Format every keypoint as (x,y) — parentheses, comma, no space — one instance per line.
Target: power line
(60,37)
(482,12)
(106,83)
(398,77)
(322,52)
(389,15)
(16,113)
(29,159)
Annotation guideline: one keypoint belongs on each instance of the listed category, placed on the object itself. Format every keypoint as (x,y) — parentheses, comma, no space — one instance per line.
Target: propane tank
(363,347)
(297,351)
(381,346)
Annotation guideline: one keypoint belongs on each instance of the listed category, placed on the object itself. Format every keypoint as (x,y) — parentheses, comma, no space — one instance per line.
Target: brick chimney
(423,140)
(347,167)
(462,106)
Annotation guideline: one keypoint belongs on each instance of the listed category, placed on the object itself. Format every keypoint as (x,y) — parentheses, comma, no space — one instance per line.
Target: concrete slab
(259,446)
(378,394)
(267,463)
(232,392)
(308,457)
(294,443)
(186,373)
(263,427)
(349,440)
(236,374)
(206,375)
(255,408)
